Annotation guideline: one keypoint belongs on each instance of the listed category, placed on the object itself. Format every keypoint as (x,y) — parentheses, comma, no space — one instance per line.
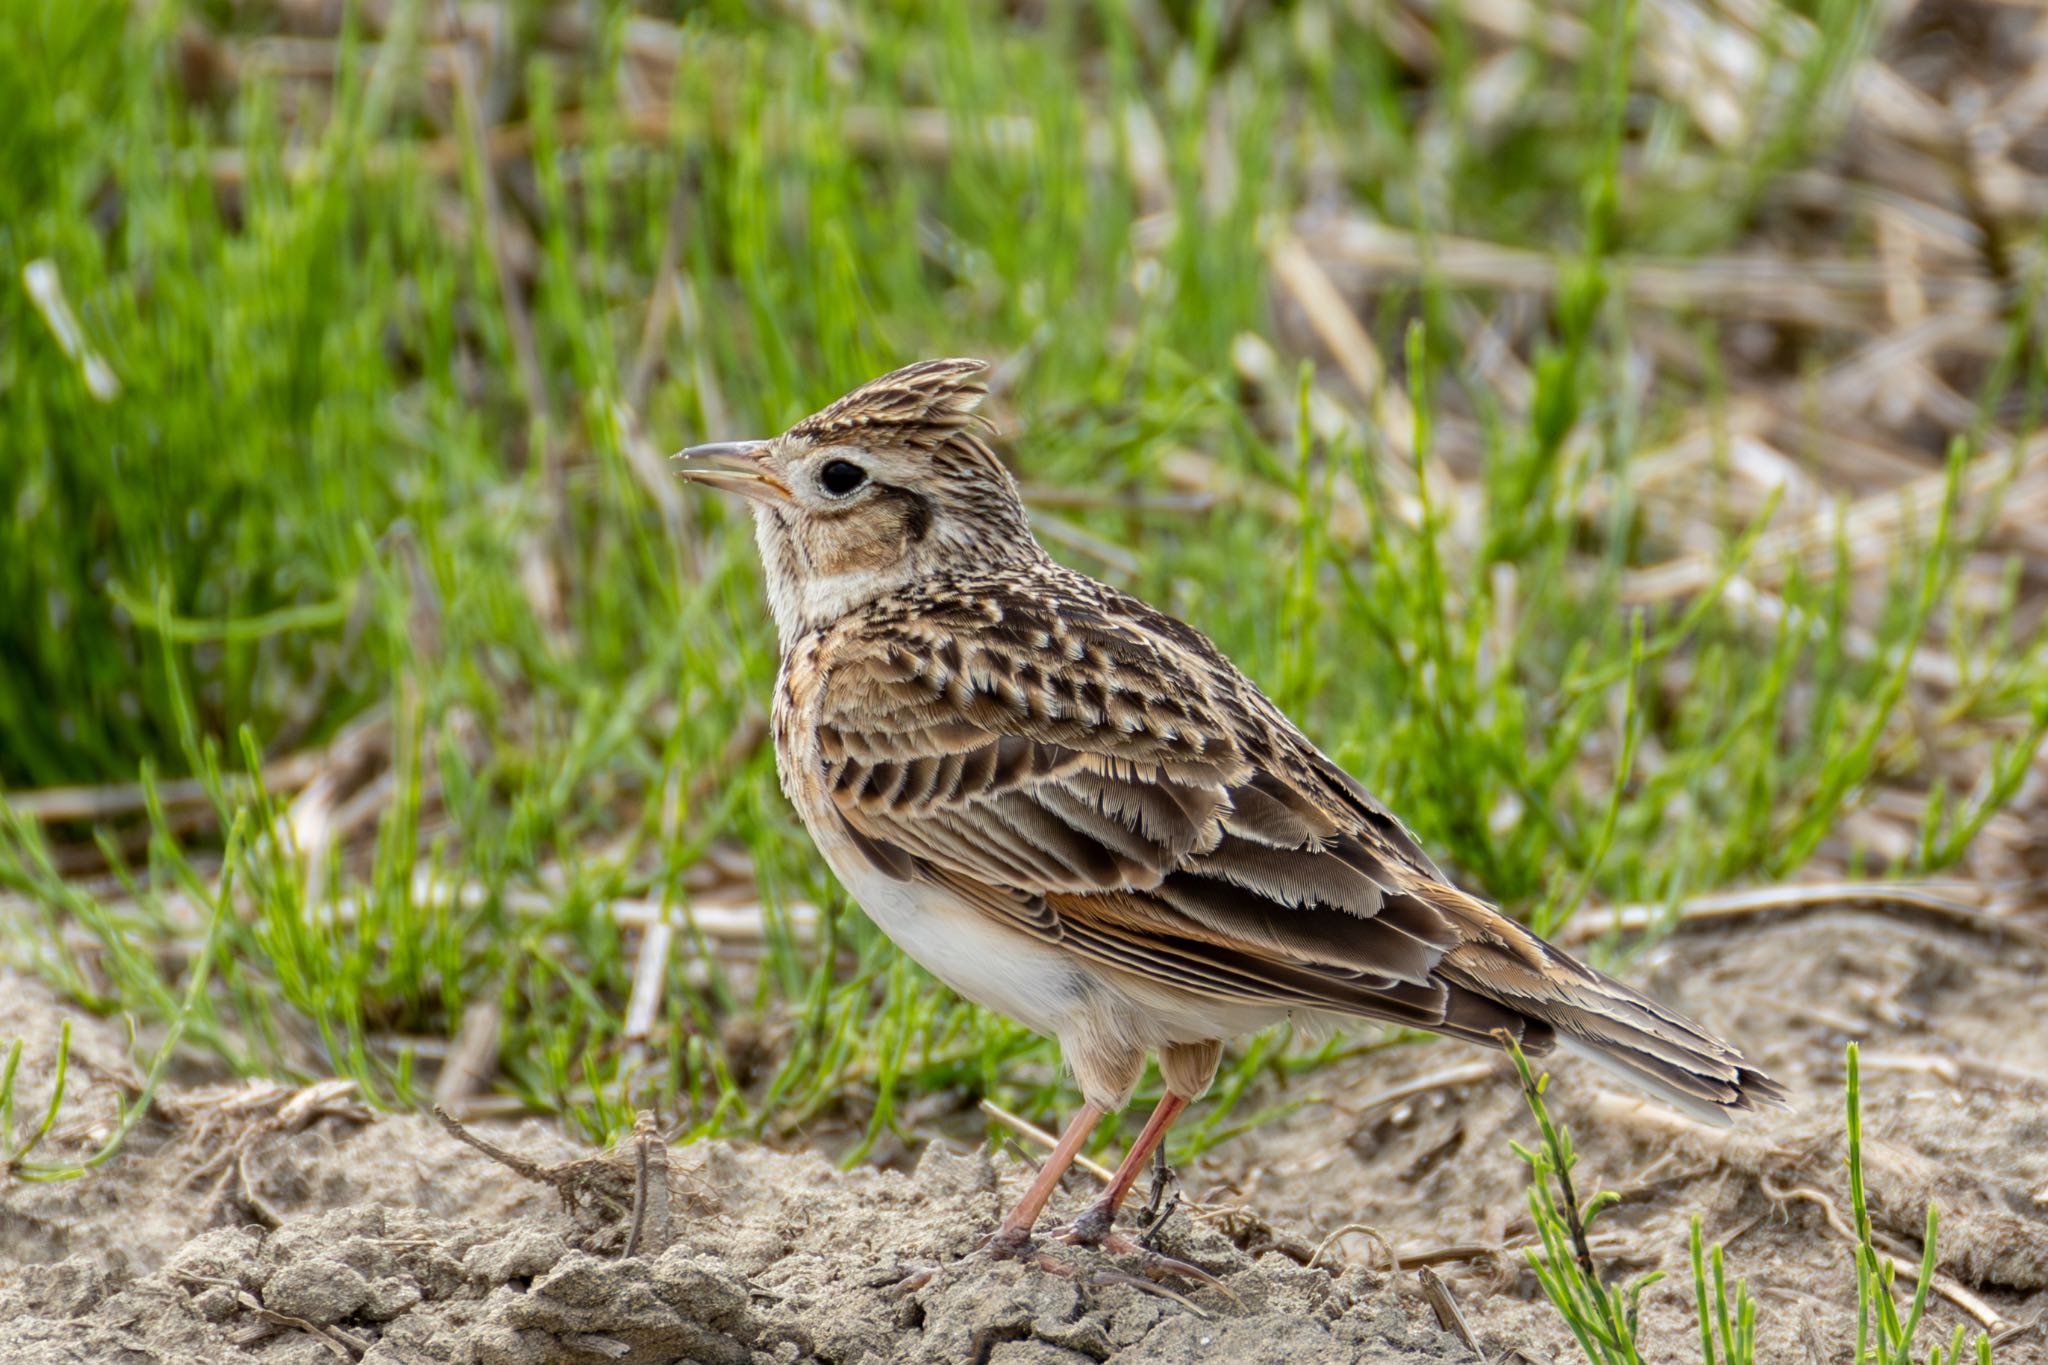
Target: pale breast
(994,966)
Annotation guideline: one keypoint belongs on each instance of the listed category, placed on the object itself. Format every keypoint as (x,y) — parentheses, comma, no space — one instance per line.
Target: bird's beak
(735,467)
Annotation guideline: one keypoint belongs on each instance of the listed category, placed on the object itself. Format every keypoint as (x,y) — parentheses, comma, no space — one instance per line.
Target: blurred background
(1610,427)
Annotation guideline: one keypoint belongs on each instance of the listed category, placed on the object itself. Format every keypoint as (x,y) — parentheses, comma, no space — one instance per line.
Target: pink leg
(1015,1233)
(1093,1226)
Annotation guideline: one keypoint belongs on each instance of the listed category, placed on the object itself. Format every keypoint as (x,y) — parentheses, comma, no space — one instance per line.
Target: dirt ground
(1953,1027)
(248,1223)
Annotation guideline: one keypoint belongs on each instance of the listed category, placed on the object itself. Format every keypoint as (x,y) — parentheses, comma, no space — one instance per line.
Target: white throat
(802,600)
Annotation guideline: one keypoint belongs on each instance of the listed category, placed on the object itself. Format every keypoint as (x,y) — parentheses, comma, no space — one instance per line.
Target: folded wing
(1101,777)
(1063,772)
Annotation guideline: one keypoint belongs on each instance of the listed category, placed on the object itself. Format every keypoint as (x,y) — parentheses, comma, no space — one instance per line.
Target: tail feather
(1710,1100)
(1594,1016)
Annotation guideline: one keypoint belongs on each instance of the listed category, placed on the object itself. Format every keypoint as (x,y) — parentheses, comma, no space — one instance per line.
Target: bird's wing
(1128,795)
(1098,775)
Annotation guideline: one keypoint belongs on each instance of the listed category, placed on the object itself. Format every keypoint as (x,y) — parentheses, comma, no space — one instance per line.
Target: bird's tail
(1560,1000)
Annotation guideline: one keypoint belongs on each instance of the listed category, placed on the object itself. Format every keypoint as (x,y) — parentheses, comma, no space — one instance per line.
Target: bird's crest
(934,396)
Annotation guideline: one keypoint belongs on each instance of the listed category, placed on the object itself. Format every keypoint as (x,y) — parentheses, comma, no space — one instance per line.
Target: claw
(1091,1229)
(1095,1226)
(1087,1232)
(915,1279)
(1006,1244)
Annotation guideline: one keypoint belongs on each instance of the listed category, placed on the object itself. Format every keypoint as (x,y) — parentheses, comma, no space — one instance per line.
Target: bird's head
(888,485)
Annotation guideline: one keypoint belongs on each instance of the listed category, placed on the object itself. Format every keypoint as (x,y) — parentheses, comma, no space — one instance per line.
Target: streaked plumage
(1074,809)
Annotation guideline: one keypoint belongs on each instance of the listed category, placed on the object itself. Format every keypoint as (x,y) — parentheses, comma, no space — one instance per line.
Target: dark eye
(841,477)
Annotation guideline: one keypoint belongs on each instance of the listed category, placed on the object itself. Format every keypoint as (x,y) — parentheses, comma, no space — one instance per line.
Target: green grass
(336,487)
(1605,1320)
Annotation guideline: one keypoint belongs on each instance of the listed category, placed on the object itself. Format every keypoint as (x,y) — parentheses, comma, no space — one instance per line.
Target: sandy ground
(250,1223)
(256,1223)
(1953,1028)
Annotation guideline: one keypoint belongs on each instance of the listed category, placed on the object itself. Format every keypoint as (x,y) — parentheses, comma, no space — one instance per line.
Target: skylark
(1073,809)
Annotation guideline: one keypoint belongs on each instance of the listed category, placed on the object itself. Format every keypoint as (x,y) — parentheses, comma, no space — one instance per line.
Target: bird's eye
(841,477)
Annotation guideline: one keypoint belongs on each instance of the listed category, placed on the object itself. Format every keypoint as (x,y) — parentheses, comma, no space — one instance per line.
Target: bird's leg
(1092,1228)
(1096,1225)
(1014,1236)
(1163,1200)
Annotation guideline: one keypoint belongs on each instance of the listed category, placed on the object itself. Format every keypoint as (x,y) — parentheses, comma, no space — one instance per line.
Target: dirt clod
(319,1289)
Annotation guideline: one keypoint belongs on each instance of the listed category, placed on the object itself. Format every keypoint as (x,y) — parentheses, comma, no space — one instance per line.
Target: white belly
(1043,988)
(1009,972)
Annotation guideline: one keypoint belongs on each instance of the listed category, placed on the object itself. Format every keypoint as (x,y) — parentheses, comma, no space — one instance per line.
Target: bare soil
(1953,1027)
(255,1222)
(264,1224)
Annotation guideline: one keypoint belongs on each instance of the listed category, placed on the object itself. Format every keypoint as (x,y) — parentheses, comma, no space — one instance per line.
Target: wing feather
(1070,765)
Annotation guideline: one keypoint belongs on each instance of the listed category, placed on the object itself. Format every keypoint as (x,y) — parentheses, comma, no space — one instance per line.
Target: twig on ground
(1463,1073)
(337,1340)
(2017,1330)
(286,774)
(1371,1234)
(1153,1287)
(1445,1305)
(1352,347)
(1452,1254)
(472,1056)
(1938,901)
(1027,1128)
(524,1166)
(1942,1284)
(1841,293)
(1016,1149)
(252,1111)
(606,1179)
(650,1184)
(251,1196)
(650,977)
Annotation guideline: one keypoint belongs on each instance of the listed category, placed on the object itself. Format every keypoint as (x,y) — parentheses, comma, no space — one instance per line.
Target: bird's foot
(1017,1244)
(1091,1230)
(1095,1228)
(1157,1269)
(1007,1244)
(1004,1244)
